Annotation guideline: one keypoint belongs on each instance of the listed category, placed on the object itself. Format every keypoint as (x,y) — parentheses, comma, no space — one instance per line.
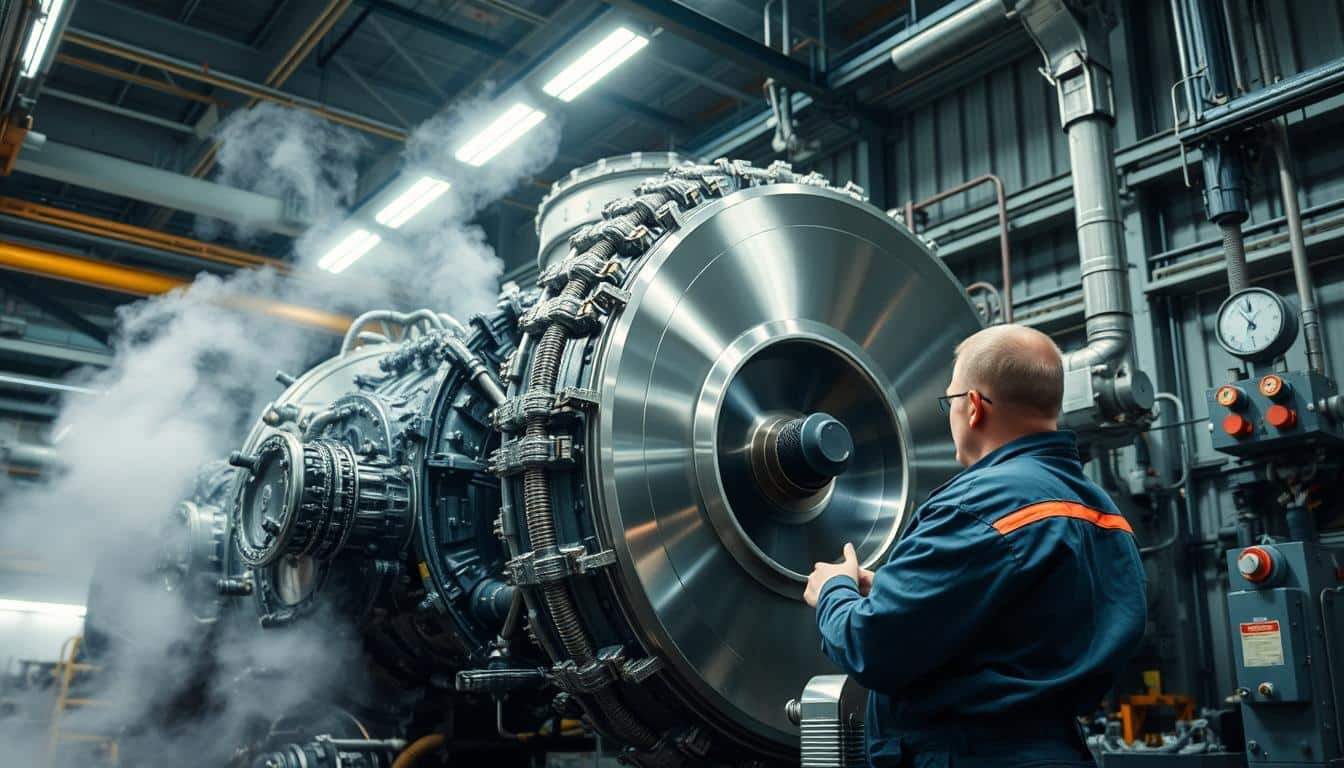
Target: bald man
(1015,595)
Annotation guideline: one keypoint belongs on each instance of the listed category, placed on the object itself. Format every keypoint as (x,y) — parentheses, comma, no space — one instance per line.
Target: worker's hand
(865,581)
(823,572)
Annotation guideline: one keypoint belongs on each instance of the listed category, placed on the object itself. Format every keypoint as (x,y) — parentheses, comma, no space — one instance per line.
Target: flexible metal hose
(537,500)
(1234,250)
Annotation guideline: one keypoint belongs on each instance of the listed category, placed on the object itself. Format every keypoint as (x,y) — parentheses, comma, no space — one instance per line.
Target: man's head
(1008,381)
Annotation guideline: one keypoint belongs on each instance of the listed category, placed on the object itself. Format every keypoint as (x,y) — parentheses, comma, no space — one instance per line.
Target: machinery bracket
(609,666)
(514,413)
(537,451)
(535,568)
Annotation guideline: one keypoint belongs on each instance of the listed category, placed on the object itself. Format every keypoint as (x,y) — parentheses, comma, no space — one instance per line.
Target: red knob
(1231,397)
(1237,425)
(1274,387)
(1281,417)
(1255,564)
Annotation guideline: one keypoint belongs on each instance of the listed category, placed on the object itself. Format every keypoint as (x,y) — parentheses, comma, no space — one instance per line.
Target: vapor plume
(189,377)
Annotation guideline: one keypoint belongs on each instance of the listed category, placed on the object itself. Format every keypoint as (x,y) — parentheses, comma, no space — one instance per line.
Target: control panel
(1274,414)
(1284,619)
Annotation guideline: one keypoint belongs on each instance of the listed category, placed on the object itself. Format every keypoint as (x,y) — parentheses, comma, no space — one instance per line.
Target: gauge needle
(1250,321)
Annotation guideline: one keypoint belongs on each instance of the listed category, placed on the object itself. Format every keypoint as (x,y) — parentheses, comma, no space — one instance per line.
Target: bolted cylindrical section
(316,499)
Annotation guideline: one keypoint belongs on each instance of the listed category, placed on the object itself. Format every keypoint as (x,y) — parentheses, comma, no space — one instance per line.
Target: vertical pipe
(1230,21)
(822,61)
(1005,260)
(1183,56)
(1108,319)
(1292,212)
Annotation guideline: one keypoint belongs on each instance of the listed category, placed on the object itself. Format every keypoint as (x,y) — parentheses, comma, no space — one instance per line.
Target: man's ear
(977,412)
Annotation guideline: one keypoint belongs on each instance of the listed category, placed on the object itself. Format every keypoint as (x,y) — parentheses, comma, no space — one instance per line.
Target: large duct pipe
(1106,303)
(1104,394)
(947,36)
(14,453)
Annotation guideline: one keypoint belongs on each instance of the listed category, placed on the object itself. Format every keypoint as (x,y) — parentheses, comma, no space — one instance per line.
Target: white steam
(190,374)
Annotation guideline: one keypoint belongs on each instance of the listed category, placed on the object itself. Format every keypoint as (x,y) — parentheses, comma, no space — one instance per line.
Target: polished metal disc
(771,304)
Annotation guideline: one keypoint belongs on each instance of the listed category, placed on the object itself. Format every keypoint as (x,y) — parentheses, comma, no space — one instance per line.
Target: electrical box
(1286,631)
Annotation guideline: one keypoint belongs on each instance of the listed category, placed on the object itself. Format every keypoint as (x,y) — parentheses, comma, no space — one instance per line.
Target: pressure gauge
(1256,324)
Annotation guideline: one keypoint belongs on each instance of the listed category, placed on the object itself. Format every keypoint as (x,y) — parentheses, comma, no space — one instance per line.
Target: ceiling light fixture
(46,609)
(39,38)
(595,64)
(412,201)
(498,135)
(349,250)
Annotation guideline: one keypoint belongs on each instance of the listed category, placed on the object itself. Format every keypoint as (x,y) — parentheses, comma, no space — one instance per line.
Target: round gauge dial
(1256,324)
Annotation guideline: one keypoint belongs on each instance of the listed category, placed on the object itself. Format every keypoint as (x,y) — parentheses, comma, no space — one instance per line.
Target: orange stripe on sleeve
(1047,509)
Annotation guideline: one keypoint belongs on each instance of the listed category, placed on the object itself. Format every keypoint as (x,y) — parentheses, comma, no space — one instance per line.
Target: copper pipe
(131,77)
(418,749)
(128,233)
(140,282)
(1005,256)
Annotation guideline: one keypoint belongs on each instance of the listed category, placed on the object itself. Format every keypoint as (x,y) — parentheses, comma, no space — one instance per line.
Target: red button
(1281,417)
(1255,564)
(1237,425)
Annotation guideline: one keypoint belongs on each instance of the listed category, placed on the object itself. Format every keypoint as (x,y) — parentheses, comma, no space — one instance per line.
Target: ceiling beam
(749,53)
(55,265)
(443,29)
(24,290)
(55,352)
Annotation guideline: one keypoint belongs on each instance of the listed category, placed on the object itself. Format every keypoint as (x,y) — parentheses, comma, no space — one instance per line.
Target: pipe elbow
(1103,350)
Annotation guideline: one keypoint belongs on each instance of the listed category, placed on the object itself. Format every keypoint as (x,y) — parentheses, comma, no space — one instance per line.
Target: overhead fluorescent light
(412,201)
(40,36)
(66,610)
(29,382)
(595,64)
(348,251)
(497,136)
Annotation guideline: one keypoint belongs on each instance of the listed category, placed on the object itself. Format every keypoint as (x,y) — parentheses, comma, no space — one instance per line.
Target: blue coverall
(1005,611)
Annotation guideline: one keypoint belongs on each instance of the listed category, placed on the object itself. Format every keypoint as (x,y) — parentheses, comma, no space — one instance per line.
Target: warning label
(1261,644)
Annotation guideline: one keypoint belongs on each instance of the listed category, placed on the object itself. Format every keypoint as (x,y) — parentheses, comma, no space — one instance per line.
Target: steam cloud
(190,375)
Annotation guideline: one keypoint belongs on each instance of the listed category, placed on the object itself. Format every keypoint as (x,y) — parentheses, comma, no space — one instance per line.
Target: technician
(1015,595)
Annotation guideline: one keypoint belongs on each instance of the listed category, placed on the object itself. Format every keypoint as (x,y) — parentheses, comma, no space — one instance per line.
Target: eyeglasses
(945,401)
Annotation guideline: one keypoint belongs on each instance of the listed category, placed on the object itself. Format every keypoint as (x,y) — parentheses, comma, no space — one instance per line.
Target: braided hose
(538,513)
(1234,249)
